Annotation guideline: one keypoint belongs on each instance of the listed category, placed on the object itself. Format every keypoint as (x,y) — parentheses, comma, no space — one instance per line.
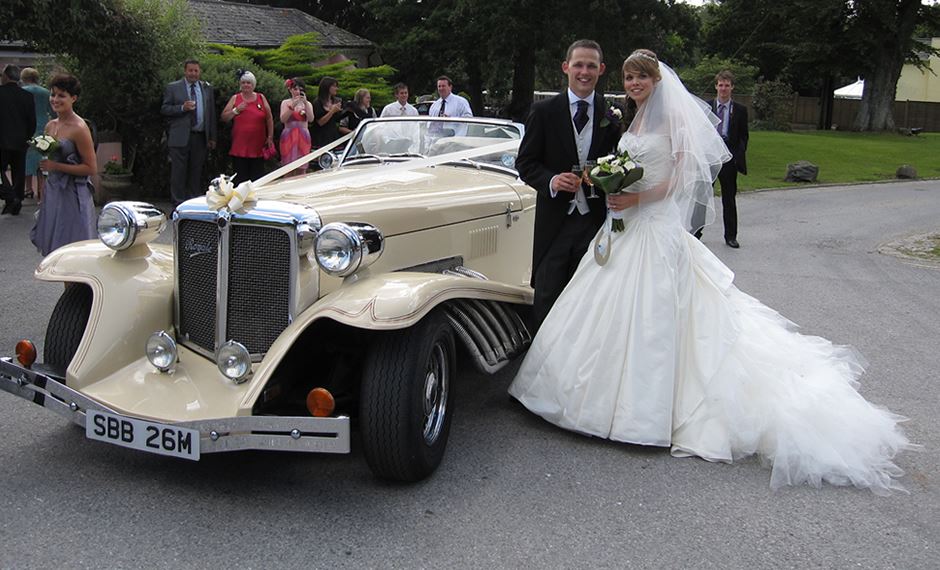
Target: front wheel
(67,325)
(406,399)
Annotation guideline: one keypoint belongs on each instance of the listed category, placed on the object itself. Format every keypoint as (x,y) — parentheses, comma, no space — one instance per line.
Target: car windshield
(426,137)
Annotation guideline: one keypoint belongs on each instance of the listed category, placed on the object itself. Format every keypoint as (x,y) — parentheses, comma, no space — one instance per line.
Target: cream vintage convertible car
(289,311)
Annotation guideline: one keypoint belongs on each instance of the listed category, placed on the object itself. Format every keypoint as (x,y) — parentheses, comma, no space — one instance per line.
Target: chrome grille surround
(237,274)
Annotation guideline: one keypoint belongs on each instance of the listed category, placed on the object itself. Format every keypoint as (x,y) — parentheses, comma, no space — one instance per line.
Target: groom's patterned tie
(581,116)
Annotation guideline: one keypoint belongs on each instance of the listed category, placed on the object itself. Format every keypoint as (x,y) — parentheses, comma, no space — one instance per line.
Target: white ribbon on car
(274,175)
(224,194)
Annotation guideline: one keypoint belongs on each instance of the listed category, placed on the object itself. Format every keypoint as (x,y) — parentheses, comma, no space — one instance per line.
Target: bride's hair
(643,61)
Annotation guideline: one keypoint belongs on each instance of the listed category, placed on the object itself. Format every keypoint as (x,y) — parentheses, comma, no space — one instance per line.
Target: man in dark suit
(562,132)
(733,129)
(189,105)
(17,124)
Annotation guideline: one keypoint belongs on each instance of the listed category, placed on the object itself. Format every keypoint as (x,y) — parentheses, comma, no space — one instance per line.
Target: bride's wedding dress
(658,347)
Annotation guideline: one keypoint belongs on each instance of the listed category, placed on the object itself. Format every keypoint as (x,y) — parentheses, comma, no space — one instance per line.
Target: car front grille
(255,283)
(258,286)
(197,260)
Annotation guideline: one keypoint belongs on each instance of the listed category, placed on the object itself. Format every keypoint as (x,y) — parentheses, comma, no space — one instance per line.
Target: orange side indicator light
(26,352)
(320,403)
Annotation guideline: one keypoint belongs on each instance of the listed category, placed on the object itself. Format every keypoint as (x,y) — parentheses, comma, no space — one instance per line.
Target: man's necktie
(192,97)
(443,105)
(721,120)
(402,111)
(581,116)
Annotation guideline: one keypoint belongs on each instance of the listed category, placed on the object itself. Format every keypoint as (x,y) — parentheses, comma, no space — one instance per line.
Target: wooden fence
(907,114)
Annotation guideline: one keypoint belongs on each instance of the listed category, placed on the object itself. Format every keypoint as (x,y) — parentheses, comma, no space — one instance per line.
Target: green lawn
(842,157)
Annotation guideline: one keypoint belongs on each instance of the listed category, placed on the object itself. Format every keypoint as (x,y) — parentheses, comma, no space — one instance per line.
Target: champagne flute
(586,176)
(578,171)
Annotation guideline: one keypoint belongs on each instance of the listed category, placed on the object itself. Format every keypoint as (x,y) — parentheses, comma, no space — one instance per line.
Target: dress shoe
(15,207)
(733,243)
(6,207)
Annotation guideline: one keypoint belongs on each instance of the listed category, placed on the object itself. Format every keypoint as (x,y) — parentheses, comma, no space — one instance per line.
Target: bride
(665,351)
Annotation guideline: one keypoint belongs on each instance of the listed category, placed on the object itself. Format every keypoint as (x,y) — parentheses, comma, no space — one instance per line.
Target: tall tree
(810,43)
(884,32)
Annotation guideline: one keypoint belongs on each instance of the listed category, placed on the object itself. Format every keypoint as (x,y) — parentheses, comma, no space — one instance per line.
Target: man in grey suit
(189,105)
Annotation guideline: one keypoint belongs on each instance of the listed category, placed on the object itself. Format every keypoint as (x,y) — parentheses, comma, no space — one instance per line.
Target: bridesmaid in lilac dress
(67,211)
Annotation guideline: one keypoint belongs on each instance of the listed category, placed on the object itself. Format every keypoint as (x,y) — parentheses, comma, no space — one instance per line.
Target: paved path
(514,491)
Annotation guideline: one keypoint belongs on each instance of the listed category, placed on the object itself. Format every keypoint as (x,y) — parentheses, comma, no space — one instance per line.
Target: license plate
(143,435)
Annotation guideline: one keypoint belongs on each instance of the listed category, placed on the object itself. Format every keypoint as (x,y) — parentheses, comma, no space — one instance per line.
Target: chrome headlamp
(342,249)
(327,160)
(123,224)
(161,351)
(234,361)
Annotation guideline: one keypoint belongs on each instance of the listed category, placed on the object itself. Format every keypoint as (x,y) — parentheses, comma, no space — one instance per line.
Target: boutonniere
(224,194)
(613,116)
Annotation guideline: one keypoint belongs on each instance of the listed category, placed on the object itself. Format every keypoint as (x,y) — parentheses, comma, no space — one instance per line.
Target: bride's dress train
(658,347)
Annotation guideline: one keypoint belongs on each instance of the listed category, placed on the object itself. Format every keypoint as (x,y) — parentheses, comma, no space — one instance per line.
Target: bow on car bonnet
(224,194)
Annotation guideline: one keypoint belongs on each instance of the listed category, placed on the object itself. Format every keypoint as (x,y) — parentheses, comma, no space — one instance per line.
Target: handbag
(269,151)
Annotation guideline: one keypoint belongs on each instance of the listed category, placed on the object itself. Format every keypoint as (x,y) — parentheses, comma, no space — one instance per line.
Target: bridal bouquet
(613,174)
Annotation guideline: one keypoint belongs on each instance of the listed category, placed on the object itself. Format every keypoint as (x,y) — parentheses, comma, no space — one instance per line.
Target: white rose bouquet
(44,145)
(613,174)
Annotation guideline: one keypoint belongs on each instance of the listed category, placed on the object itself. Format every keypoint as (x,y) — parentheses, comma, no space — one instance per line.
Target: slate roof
(254,25)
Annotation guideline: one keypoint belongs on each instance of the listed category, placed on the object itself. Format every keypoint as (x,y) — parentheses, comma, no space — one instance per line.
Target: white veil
(697,149)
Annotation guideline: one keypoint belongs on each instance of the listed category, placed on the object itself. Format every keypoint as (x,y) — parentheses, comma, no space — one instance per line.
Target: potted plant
(116,181)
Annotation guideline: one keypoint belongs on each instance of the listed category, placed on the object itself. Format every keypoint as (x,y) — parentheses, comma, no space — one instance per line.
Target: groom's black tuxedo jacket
(549,148)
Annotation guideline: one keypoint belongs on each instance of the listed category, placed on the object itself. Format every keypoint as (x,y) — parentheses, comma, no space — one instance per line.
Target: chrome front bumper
(317,435)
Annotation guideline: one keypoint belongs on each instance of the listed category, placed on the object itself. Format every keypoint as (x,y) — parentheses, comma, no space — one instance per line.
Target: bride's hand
(622,201)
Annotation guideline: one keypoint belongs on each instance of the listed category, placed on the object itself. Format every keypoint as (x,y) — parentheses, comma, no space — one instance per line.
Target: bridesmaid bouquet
(613,174)
(45,145)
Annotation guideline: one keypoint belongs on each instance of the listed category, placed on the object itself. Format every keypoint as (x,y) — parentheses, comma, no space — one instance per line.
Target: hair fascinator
(289,83)
(238,74)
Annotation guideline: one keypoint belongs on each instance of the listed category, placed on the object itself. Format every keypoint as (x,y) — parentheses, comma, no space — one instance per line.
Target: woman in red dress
(253,128)
(296,113)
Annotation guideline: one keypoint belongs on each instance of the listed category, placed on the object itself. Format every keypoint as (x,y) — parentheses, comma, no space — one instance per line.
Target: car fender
(386,301)
(132,297)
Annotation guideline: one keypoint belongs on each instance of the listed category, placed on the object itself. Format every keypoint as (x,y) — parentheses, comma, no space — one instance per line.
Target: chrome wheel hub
(436,386)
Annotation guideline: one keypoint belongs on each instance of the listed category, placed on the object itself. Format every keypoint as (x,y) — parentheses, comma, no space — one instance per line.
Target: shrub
(294,59)
(701,78)
(115,167)
(773,105)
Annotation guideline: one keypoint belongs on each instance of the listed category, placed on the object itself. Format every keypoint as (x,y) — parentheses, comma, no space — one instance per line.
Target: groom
(559,133)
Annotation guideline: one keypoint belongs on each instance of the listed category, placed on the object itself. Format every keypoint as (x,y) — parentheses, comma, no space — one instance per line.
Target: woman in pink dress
(253,128)
(296,113)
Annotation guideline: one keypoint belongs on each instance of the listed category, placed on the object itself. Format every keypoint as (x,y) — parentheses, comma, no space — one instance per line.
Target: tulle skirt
(658,347)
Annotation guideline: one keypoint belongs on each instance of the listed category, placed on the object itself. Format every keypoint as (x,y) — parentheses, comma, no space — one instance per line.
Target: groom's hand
(566,182)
